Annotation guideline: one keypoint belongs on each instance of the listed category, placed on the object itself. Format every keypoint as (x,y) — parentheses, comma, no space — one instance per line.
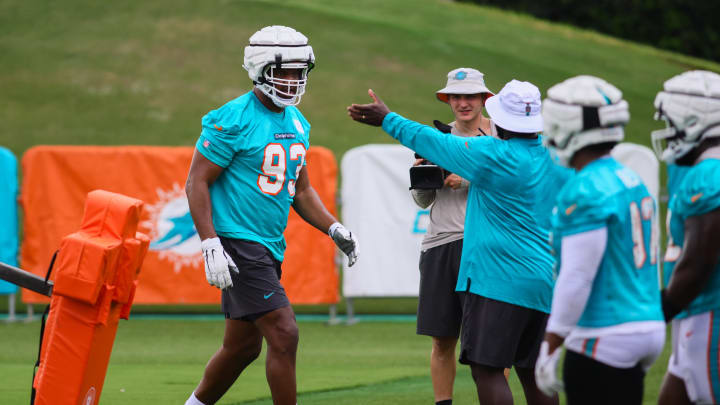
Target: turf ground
(159,361)
(110,73)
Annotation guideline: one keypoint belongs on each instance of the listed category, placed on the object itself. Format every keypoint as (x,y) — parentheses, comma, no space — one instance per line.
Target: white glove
(217,263)
(546,370)
(344,240)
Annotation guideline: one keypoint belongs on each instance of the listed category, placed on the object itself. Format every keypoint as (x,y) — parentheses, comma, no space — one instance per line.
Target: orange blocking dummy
(95,279)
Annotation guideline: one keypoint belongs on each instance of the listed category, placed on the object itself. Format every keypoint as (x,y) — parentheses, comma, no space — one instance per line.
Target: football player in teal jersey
(505,274)
(606,303)
(248,169)
(690,106)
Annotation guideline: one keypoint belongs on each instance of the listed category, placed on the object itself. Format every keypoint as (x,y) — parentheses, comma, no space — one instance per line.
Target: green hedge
(685,26)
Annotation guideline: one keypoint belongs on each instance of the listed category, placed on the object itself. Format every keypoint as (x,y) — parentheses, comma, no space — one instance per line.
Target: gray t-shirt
(447,213)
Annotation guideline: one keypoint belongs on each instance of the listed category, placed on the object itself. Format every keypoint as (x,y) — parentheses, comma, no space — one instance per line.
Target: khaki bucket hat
(464,81)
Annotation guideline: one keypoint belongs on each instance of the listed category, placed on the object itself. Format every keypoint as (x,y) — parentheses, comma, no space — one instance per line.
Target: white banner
(378,208)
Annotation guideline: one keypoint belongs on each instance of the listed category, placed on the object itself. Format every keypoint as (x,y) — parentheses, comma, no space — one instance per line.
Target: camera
(427,175)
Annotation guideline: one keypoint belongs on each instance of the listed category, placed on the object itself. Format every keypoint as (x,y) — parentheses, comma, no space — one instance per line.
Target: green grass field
(115,73)
(157,362)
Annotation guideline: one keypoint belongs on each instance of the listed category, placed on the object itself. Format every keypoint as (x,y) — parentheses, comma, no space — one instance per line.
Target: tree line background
(685,26)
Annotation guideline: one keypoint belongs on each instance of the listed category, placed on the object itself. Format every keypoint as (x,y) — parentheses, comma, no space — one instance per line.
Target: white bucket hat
(516,108)
(464,81)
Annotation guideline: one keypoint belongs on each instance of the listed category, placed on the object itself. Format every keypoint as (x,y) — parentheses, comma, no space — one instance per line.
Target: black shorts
(256,287)
(589,382)
(440,307)
(499,334)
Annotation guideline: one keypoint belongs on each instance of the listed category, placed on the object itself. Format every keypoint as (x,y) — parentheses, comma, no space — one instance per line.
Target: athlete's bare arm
(202,174)
(308,205)
(699,258)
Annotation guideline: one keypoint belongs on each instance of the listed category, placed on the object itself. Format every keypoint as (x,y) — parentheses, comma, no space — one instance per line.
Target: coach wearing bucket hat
(439,313)
(506,274)
(517,109)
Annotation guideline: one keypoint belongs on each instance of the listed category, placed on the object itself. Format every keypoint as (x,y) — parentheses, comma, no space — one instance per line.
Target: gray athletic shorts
(498,334)
(256,288)
(439,306)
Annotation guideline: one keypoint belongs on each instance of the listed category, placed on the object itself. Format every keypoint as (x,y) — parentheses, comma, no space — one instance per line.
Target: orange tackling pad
(95,280)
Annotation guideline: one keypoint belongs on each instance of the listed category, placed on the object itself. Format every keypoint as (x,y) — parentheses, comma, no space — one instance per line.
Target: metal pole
(351,319)
(333,318)
(11,308)
(25,279)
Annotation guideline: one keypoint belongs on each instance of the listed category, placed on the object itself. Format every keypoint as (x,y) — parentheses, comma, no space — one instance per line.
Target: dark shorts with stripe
(499,334)
(439,306)
(256,287)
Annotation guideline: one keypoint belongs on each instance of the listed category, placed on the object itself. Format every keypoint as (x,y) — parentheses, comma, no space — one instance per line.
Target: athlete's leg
(241,345)
(442,366)
(439,313)
(281,333)
(533,395)
(492,387)
(673,392)
(692,375)
(526,354)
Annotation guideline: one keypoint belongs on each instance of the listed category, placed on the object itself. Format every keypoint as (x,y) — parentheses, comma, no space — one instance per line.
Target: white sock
(193,400)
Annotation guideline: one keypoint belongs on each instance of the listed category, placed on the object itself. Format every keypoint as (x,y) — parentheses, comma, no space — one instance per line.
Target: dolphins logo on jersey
(171,229)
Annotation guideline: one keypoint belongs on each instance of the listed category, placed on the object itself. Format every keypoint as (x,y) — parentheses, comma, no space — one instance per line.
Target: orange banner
(56,180)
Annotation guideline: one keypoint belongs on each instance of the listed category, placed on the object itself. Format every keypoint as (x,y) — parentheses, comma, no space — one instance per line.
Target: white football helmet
(277,47)
(582,111)
(690,107)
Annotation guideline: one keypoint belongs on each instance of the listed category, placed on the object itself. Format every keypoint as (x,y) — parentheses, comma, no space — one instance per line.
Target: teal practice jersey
(262,153)
(697,194)
(606,194)
(513,183)
(675,174)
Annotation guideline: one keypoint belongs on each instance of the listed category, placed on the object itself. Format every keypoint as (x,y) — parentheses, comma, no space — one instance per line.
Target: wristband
(333,227)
